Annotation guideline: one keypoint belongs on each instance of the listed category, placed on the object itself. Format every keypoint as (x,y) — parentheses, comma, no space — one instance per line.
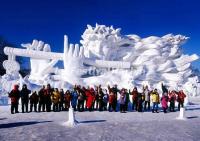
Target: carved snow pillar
(11,66)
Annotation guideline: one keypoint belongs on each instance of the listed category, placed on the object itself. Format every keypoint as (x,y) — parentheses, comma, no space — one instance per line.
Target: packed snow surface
(100,126)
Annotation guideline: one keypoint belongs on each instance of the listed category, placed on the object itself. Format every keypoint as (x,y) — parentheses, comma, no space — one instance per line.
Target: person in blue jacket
(74,98)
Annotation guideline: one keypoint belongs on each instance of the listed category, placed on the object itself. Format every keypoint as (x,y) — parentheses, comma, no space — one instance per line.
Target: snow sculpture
(153,59)
(181,114)
(11,66)
(40,68)
(71,118)
(107,57)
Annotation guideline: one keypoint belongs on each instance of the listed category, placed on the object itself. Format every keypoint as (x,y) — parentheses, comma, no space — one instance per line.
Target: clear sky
(48,20)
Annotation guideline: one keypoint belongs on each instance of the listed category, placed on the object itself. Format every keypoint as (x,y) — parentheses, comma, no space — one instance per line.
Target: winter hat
(16,87)
(24,86)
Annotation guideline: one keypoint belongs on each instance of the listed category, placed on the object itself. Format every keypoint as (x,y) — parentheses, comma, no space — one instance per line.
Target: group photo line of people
(81,99)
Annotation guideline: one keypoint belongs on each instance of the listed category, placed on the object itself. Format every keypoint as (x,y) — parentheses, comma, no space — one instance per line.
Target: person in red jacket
(90,94)
(14,96)
(67,99)
(47,96)
(111,100)
(164,102)
(180,99)
(172,99)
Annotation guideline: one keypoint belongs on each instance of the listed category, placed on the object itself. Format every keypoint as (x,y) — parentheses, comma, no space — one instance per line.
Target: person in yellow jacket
(155,100)
(56,98)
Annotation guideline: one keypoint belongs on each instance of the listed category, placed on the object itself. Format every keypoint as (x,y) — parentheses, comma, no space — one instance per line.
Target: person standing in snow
(111,101)
(55,98)
(80,105)
(96,102)
(155,100)
(172,99)
(34,98)
(41,99)
(85,97)
(14,96)
(67,100)
(61,107)
(140,102)
(115,90)
(100,99)
(24,94)
(134,94)
(122,101)
(74,98)
(47,97)
(90,94)
(180,98)
(164,102)
(127,99)
(105,100)
(146,94)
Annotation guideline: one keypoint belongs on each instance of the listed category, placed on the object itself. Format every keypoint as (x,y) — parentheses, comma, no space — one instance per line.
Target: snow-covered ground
(101,126)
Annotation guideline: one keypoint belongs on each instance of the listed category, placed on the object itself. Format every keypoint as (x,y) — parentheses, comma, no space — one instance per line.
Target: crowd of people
(81,99)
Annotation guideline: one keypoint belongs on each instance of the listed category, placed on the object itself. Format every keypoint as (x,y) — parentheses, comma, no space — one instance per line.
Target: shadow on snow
(191,117)
(191,109)
(17,124)
(3,118)
(91,121)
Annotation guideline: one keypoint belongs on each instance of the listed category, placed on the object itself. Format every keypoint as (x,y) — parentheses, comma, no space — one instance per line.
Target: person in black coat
(140,102)
(101,94)
(96,102)
(127,99)
(61,107)
(41,99)
(115,90)
(47,97)
(34,98)
(24,94)
(14,96)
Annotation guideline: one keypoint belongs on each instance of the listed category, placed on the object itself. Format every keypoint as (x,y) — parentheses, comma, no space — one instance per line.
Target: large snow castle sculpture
(106,57)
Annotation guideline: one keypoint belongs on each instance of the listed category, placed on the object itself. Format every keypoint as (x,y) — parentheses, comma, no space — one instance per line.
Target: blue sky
(48,20)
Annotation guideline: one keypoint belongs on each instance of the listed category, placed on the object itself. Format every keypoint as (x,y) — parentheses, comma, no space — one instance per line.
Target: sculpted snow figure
(39,67)
(107,57)
(153,59)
